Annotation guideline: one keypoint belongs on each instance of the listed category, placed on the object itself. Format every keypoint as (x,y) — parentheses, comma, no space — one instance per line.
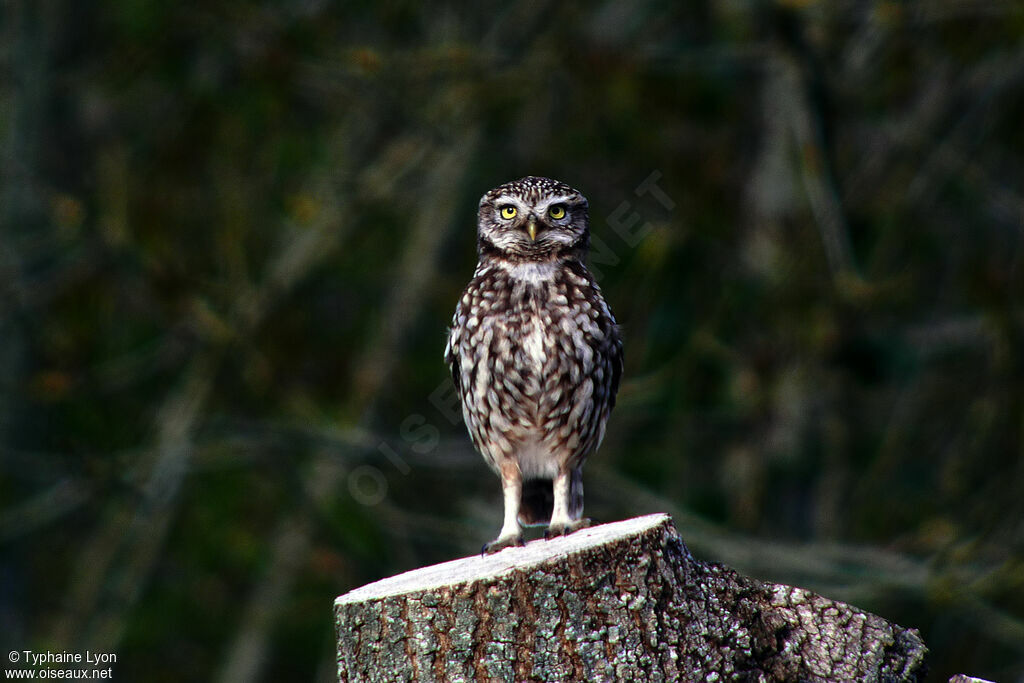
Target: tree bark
(622,601)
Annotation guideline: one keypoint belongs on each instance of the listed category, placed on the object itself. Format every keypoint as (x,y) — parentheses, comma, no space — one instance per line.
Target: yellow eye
(557,211)
(508,212)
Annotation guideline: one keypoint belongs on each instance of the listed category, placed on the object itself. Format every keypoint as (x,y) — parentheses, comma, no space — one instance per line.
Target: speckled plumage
(535,352)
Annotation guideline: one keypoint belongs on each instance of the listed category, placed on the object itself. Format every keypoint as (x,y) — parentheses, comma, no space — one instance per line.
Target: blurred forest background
(232,235)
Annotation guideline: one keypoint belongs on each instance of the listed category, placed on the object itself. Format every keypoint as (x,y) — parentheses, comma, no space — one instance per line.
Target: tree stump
(622,601)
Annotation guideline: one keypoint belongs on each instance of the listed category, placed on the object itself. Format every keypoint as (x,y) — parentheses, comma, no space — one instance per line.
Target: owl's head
(533,219)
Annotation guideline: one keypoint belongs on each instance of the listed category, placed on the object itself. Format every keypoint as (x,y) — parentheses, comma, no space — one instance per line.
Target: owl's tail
(538,500)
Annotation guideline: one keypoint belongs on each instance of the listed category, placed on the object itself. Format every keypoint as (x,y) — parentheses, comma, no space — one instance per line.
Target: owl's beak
(531,229)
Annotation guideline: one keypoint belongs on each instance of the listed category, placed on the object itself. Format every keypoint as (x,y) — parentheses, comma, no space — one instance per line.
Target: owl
(535,353)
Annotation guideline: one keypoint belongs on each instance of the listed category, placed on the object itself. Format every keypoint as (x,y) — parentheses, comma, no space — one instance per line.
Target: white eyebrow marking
(557,199)
(511,199)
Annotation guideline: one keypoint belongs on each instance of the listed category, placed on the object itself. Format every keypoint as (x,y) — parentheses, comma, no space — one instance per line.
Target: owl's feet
(556,529)
(501,543)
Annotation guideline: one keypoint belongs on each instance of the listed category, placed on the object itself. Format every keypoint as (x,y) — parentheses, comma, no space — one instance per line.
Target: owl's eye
(508,212)
(557,211)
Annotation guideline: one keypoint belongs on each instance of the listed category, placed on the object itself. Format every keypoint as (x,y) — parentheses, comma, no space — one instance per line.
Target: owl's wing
(451,350)
(617,363)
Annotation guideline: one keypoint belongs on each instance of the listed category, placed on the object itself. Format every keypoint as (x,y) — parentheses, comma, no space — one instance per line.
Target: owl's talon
(502,543)
(556,530)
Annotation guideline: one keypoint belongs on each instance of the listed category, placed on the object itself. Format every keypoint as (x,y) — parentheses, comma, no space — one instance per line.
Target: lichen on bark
(623,601)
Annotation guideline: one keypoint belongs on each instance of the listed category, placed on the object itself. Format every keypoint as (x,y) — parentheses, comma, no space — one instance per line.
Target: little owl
(535,353)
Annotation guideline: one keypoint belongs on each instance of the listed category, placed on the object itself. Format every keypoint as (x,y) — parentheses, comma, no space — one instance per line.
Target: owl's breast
(534,345)
(536,357)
